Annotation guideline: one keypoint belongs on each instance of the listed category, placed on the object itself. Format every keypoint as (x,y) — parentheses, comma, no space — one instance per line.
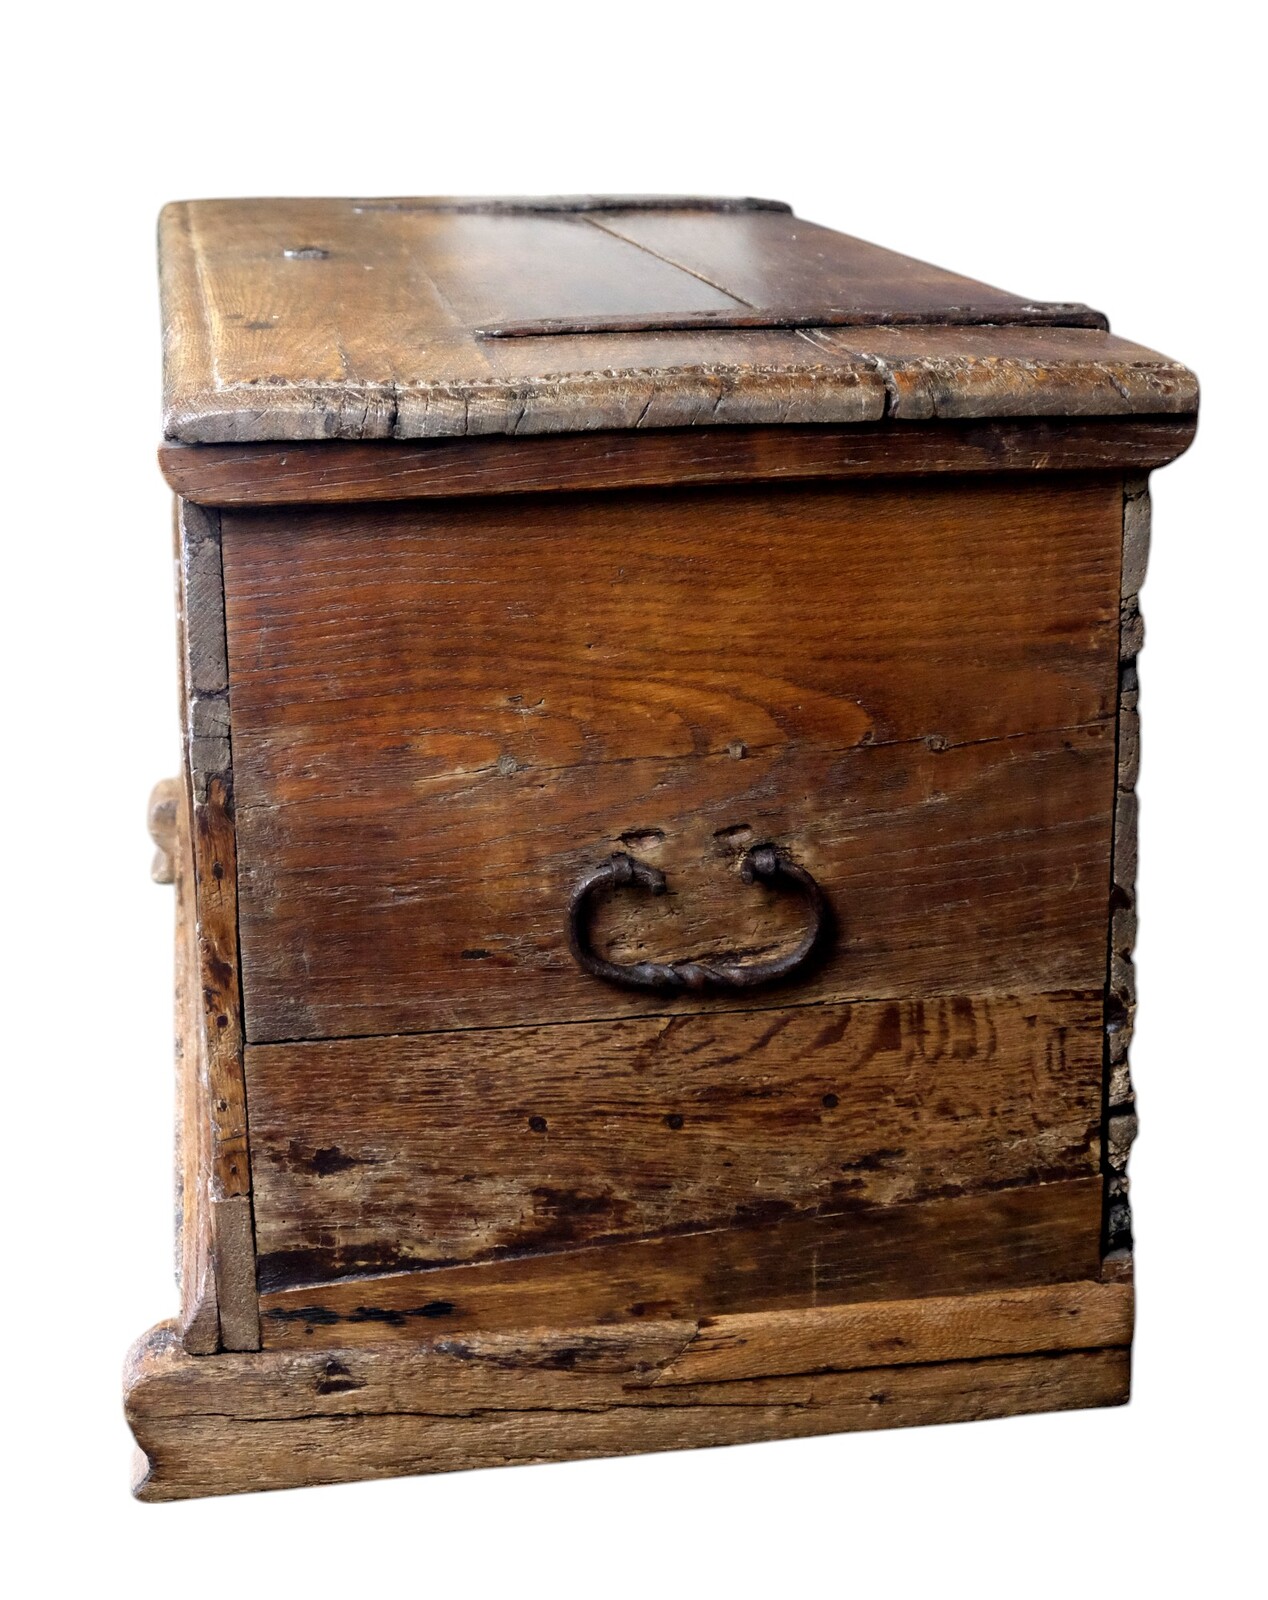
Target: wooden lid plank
(342,319)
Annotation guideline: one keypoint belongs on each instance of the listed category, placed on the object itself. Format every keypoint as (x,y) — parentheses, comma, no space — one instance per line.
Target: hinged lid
(409,319)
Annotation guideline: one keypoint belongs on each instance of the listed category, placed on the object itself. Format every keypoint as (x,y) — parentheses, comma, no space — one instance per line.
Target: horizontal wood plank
(349,471)
(1010,1238)
(380,1155)
(277,1419)
(665,1352)
(444,714)
(964,1327)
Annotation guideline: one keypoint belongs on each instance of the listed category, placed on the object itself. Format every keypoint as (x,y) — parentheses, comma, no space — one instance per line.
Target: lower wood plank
(278,1419)
(963,1327)
(387,1155)
(1011,1238)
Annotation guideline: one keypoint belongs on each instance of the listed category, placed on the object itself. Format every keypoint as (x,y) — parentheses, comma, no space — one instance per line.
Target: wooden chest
(655,847)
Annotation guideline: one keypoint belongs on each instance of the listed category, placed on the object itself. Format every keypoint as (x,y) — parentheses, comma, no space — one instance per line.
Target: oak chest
(654,850)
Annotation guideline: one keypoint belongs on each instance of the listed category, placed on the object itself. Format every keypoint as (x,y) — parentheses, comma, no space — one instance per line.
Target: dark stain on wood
(1033,1233)
(438,1161)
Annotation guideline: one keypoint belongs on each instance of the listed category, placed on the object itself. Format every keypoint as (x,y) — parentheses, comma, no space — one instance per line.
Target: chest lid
(417,318)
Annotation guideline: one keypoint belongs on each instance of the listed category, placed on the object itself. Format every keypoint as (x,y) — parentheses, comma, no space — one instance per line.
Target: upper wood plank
(277,473)
(445,713)
(411,319)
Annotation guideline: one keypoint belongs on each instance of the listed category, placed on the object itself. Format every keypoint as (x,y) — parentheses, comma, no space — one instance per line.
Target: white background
(1099,153)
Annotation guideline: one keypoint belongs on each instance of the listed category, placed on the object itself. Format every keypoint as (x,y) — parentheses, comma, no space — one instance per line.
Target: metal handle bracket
(761,864)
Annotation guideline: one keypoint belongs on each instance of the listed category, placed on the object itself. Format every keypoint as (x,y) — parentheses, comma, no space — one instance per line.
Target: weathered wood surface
(307,473)
(772,262)
(1120,1000)
(209,798)
(443,715)
(282,1418)
(841,1338)
(548,1218)
(950,372)
(1034,1233)
(337,319)
(378,1155)
(199,1317)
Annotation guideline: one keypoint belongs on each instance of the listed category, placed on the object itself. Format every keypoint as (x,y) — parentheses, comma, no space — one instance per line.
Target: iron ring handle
(762,863)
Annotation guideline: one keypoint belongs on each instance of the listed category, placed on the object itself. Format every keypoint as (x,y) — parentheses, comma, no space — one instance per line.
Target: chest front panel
(443,714)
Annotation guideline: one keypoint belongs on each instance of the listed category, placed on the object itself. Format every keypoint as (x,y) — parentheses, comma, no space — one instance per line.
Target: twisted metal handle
(762,863)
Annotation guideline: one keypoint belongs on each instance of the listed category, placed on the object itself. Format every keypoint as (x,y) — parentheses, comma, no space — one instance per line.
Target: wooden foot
(279,1418)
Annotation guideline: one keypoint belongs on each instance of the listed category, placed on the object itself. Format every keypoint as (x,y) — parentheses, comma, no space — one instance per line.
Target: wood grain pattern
(214,877)
(379,1155)
(199,1321)
(307,473)
(1008,1238)
(770,261)
(337,319)
(444,714)
(951,372)
(962,1327)
(281,1418)
(209,800)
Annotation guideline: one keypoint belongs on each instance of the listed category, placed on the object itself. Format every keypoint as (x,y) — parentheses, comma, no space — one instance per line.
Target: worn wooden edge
(209,802)
(280,1419)
(310,473)
(1120,997)
(856,386)
(519,205)
(199,1320)
(199,1316)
